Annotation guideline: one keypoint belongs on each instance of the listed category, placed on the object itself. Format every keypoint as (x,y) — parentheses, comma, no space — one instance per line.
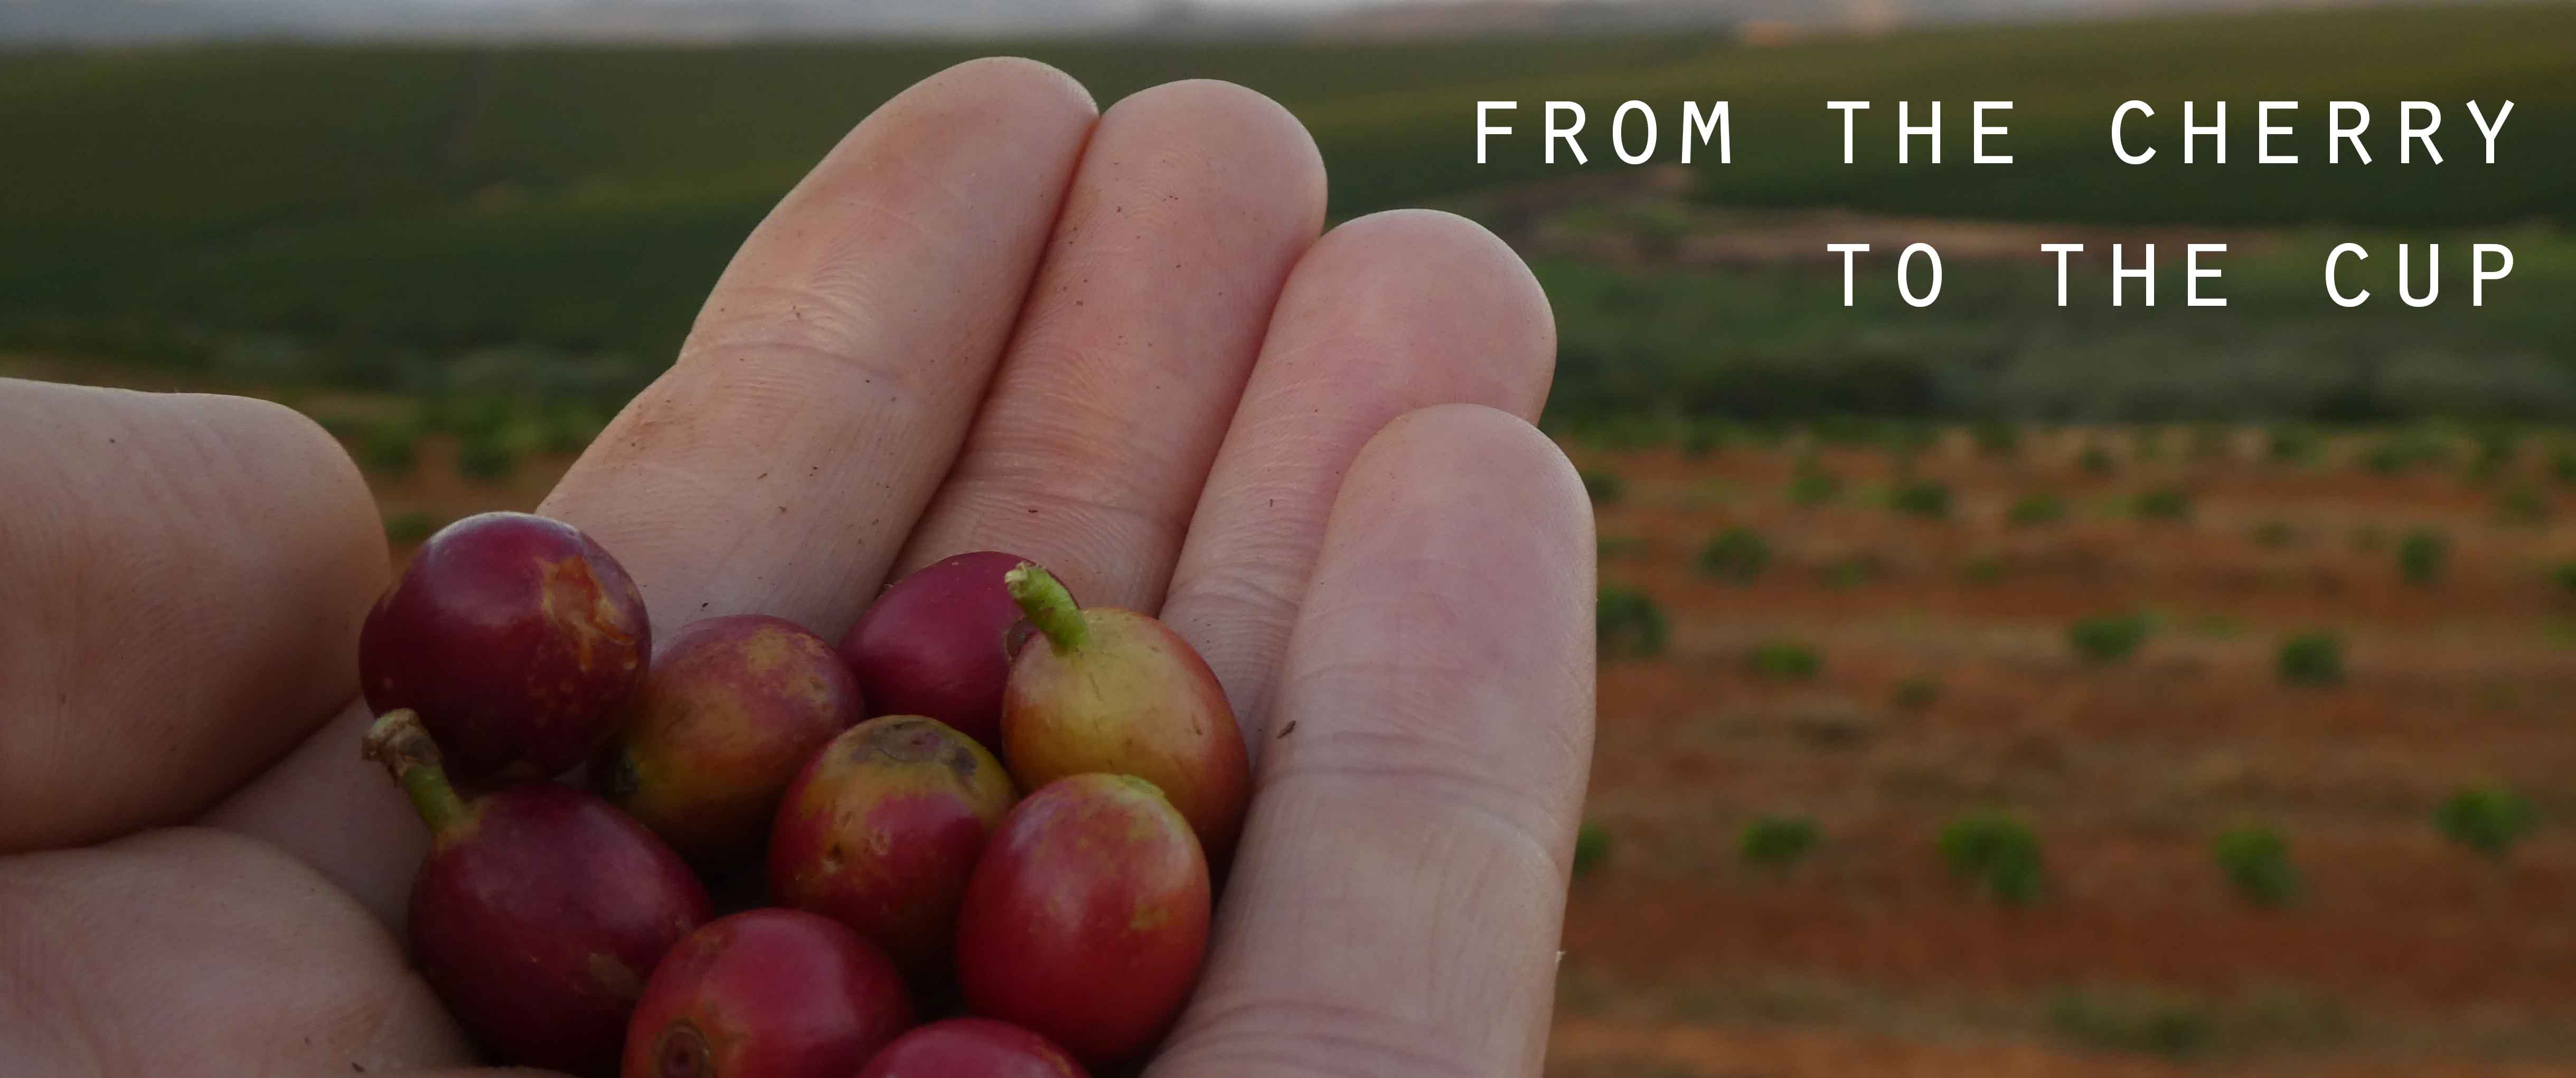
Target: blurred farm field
(2243,761)
(381,217)
(1989,688)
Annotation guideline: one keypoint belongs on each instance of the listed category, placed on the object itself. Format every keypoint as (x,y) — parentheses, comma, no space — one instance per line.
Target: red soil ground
(2404,954)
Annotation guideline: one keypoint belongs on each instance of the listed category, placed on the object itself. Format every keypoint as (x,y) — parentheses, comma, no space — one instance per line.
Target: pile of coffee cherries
(1017,843)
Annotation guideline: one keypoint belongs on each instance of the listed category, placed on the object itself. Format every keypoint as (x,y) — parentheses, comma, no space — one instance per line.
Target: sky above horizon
(1270,5)
(105,20)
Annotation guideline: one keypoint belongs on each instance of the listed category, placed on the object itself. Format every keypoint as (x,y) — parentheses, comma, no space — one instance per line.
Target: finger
(1193,201)
(181,582)
(777,466)
(189,951)
(1386,314)
(1397,902)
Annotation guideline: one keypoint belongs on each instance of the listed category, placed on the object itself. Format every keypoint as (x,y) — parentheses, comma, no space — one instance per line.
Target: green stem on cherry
(403,745)
(1048,605)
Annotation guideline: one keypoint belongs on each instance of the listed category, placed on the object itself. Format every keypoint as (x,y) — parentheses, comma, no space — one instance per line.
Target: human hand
(989,319)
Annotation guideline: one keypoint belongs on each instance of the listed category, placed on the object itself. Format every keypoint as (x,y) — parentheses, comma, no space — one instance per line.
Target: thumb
(181,582)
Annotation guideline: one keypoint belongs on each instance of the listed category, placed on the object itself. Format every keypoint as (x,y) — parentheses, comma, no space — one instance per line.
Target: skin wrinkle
(903,161)
(745,400)
(1248,611)
(894,379)
(1112,402)
(832,449)
(762,390)
(1301,1036)
(1084,532)
(126,918)
(1409,601)
(1412,621)
(43,1003)
(1069,395)
(826,297)
(1060,474)
(1356,341)
(1414,707)
(1444,878)
(1519,815)
(184,509)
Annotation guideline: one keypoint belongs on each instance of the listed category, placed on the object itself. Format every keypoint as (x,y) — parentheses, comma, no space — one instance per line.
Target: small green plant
(2256,862)
(1917,693)
(2275,534)
(1852,572)
(2388,457)
(1777,842)
(2214,625)
(2136,1021)
(2564,575)
(1909,439)
(2150,444)
(2422,554)
(1921,498)
(390,447)
(1845,430)
(1737,555)
(1628,625)
(2313,658)
(568,429)
(1591,849)
(1995,438)
(405,529)
(468,415)
(487,456)
(2562,463)
(2034,510)
(1997,853)
(2108,638)
(2095,459)
(2487,819)
(1709,492)
(1783,660)
(2208,442)
(2522,506)
(1622,547)
(1982,570)
(2407,450)
(1702,440)
(2161,503)
(2497,446)
(1814,486)
(1605,487)
(2291,445)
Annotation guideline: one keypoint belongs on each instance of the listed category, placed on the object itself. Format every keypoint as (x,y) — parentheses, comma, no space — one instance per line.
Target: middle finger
(1192,202)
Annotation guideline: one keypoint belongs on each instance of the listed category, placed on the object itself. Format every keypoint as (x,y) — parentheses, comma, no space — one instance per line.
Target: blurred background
(1992,688)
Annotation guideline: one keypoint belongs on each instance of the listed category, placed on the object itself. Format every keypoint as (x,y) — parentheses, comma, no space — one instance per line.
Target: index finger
(779,463)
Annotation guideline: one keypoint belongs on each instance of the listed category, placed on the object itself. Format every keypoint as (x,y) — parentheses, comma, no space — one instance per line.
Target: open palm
(991,318)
